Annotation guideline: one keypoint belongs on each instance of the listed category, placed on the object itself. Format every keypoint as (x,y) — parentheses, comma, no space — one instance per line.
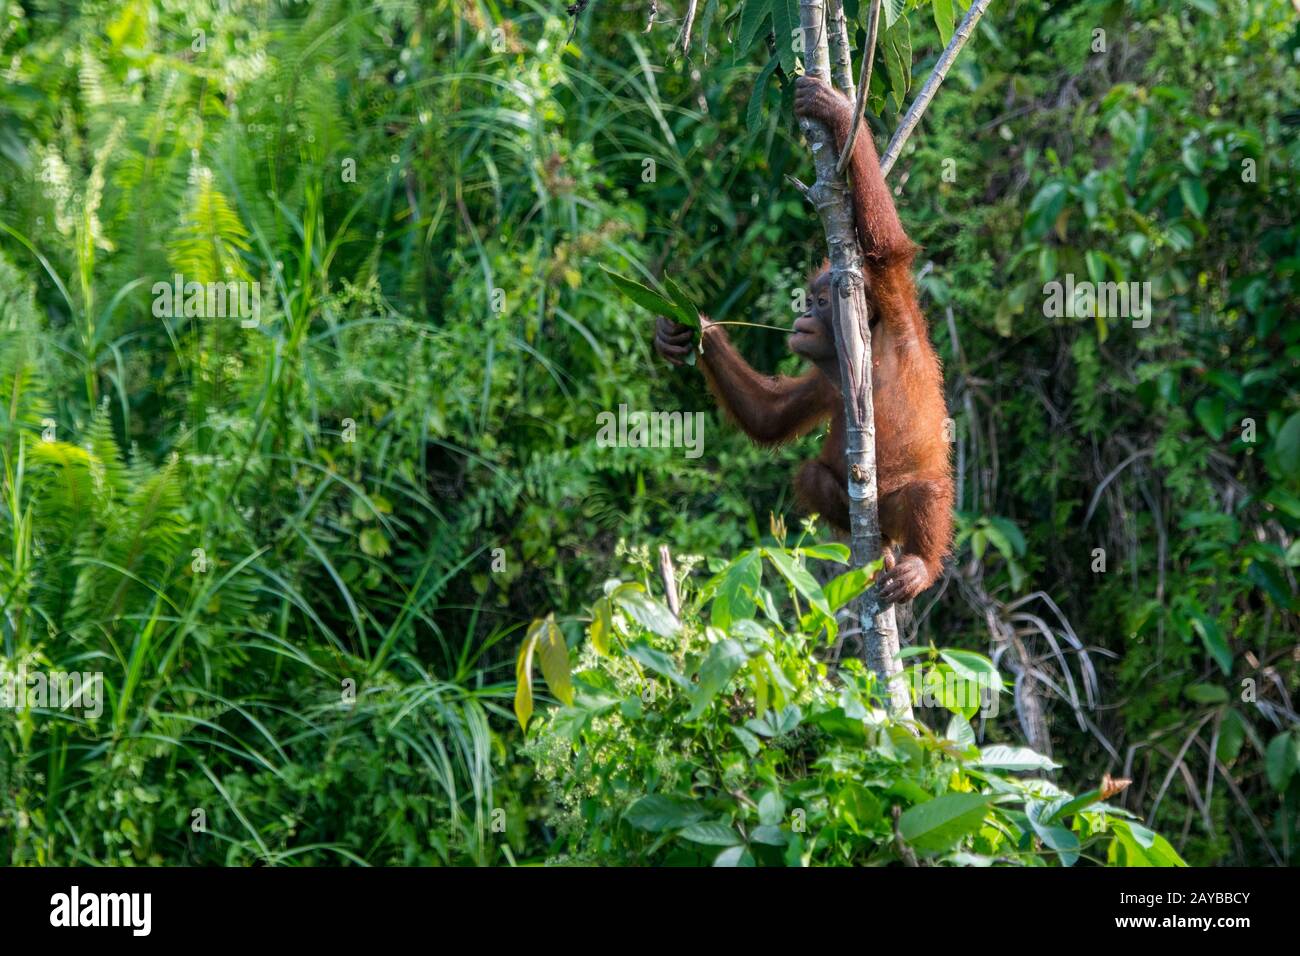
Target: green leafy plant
(726,741)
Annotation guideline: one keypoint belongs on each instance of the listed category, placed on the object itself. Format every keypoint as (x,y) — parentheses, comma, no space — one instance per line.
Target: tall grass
(185,511)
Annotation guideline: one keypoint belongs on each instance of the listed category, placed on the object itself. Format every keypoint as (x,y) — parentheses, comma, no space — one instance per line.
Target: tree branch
(918,107)
(684,37)
(864,85)
(841,58)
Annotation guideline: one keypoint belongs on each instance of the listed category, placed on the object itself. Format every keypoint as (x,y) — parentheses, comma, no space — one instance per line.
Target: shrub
(725,738)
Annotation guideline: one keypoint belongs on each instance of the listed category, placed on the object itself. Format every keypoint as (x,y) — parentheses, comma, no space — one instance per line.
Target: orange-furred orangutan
(914,473)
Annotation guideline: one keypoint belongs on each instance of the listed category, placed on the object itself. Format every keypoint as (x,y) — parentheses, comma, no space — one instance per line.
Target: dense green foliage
(303,551)
(729,743)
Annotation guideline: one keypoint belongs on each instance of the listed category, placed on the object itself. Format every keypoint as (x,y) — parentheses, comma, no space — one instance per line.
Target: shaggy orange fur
(914,473)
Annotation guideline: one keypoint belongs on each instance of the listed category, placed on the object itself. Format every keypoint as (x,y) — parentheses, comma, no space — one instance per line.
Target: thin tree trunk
(841,58)
(878,631)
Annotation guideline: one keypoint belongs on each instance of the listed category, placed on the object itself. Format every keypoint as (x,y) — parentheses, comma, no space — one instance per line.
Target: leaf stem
(753,325)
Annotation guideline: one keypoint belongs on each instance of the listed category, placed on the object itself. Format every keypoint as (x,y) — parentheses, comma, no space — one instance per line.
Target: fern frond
(211,236)
(63,494)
